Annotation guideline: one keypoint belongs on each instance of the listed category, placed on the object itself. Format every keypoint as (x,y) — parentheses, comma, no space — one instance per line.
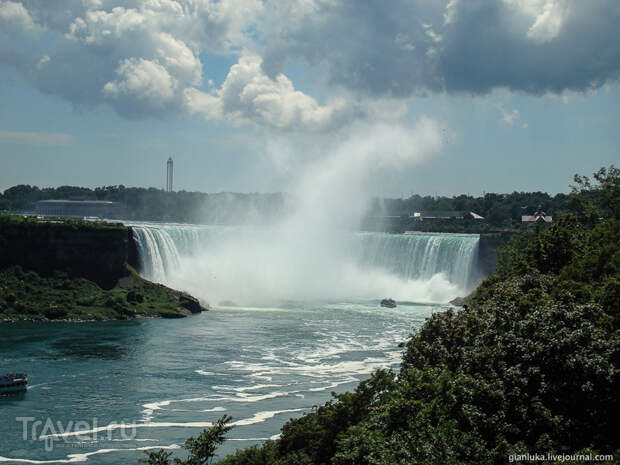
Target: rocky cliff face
(95,252)
(487,250)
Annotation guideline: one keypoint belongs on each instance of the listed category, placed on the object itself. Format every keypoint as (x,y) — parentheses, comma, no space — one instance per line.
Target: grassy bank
(25,295)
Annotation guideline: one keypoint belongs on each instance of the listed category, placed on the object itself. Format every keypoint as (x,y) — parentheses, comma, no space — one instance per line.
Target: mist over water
(251,266)
(315,251)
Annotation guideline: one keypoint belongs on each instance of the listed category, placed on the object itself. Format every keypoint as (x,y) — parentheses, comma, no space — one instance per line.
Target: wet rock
(460,301)
(190,303)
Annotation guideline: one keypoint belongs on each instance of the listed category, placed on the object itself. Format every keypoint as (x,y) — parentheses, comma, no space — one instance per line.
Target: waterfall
(158,253)
(161,246)
(422,255)
(173,254)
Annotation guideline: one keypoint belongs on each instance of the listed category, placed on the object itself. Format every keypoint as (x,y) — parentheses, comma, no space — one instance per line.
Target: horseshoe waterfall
(253,265)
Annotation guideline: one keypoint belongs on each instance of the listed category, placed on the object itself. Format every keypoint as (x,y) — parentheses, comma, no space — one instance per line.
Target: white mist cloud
(334,190)
(308,254)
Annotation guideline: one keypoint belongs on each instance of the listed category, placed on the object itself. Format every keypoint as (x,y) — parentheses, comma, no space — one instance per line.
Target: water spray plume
(315,252)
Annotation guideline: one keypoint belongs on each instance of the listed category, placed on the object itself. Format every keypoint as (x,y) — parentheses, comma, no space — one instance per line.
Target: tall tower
(169,167)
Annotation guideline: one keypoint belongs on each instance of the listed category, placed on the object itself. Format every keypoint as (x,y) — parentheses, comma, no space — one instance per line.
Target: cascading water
(423,255)
(206,259)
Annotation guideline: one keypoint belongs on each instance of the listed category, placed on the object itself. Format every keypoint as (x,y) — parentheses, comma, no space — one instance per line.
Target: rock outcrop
(95,252)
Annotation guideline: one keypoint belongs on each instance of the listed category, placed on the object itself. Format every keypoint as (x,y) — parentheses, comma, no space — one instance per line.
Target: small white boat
(11,383)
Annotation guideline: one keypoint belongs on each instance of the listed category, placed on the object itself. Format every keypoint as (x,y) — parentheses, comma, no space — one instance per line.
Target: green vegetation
(156,204)
(501,211)
(75,224)
(529,366)
(25,295)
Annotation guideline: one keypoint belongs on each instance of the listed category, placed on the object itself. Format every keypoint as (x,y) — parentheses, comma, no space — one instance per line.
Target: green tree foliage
(157,204)
(160,457)
(500,210)
(595,202)
(201,450)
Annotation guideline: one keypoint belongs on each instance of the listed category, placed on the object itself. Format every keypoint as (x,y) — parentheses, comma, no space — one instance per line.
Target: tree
(201,449)
(160,457)
(594,201)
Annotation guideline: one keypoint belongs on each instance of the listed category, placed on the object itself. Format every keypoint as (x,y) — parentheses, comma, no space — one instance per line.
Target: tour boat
(13,383)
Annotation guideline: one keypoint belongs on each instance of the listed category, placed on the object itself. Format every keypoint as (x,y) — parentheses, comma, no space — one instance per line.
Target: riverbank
(28,296)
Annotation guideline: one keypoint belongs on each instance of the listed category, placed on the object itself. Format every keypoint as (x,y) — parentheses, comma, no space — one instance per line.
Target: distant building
(537,218)
(79,208)
(169,174)
(445,215)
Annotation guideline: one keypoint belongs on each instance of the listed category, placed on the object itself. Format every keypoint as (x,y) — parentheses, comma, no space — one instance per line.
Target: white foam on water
(258,417)
(149,409)
(247,439)
(128,440)
(246,388)
(128,426)
(333,385)
(214,409)
(321,370)
(263,416)
(209,373)
(239,397)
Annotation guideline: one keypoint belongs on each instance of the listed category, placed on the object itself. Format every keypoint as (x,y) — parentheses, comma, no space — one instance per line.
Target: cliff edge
(75,270)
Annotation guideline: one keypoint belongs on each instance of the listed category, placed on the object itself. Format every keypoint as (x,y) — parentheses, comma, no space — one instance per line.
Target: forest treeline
(150,204)
(529,366)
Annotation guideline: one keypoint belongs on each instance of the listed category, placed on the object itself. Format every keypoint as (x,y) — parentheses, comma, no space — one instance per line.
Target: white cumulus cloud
(548,16)
(142,84)
(14,17)
(248,94)
(361,51)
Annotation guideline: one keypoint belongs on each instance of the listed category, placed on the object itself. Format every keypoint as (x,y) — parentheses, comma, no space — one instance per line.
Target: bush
(86,301)
(134,297)
(55,313)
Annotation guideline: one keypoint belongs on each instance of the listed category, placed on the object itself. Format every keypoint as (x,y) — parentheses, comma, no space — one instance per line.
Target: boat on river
(17,382)
(388,303)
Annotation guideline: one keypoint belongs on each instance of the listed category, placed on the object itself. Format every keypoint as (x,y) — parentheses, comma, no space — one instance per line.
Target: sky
(246,94)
